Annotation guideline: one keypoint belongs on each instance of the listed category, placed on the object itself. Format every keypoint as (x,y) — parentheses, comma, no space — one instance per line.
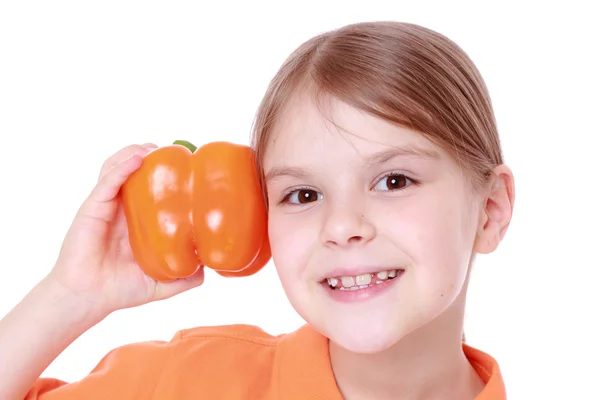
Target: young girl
(384,177)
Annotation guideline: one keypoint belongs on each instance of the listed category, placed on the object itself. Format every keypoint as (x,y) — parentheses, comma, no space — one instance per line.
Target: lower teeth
(356,287)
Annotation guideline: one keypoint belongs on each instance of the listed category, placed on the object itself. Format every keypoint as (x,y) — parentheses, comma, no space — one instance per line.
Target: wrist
(68,306)
(37,330)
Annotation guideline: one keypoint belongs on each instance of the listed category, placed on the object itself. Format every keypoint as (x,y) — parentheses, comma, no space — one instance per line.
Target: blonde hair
(401,72)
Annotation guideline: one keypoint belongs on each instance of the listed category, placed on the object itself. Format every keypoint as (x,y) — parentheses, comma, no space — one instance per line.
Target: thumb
(164,290)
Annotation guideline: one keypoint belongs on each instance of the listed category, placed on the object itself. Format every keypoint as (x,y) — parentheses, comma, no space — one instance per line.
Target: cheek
(292,242)
(432,233)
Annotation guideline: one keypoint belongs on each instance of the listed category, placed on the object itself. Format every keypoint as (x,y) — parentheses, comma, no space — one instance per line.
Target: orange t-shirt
(227,362)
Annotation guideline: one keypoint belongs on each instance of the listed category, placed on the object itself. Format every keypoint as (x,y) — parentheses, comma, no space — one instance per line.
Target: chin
(361,338)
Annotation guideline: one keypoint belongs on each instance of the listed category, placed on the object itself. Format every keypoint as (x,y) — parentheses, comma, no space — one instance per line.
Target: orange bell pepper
(188,207)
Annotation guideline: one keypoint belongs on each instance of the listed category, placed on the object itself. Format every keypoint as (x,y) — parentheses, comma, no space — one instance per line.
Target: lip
(355,271)
(371,292)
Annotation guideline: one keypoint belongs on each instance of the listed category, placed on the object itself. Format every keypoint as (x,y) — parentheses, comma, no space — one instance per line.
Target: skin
(405,344)
(94,275)
(430,222)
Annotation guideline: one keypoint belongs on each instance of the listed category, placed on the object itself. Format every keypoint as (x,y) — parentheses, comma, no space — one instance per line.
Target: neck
(428,363)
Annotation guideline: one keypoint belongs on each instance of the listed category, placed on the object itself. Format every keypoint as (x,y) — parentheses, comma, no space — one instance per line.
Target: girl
(384,177)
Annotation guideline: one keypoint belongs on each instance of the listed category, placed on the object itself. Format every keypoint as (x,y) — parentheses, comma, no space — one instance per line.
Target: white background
(79,80)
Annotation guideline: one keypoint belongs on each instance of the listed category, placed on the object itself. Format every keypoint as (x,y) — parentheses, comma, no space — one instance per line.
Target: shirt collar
(305,370)
(489,371)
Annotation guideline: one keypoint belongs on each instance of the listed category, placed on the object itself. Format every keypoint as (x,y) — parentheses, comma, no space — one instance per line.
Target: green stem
(187,144)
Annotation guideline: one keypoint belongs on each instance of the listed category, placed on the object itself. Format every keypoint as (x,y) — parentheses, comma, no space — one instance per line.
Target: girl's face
(371,226)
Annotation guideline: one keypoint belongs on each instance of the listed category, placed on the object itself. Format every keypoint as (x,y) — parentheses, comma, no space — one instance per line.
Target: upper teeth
(361,280)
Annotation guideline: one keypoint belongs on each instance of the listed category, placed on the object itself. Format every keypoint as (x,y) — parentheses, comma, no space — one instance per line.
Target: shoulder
(249,334)
(234,361)
(225,342)
(240,360)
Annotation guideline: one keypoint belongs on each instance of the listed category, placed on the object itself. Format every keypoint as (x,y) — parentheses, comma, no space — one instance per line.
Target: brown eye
(392,182)
(395,182)
(303,196)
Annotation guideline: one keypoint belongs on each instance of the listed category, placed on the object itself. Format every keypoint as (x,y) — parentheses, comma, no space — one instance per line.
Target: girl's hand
(96,263)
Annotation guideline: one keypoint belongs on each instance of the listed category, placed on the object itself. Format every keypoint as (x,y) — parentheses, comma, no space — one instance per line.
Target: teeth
(347,281)
(383,275)
(361,281)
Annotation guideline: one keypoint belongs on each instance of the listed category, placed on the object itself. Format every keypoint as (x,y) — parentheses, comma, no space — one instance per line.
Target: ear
(497,211)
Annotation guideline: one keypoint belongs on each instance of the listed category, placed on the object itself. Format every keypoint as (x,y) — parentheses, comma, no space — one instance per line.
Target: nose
(346,225)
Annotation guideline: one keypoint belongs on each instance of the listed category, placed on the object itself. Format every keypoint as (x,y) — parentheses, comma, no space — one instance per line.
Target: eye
(393,182)
(302,196)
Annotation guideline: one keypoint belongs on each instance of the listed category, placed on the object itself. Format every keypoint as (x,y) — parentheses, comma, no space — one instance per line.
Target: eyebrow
(294,172)
(373,159)
(411,151)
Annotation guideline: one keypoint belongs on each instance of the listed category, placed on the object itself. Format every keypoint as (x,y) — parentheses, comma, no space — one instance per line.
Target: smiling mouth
(362,281)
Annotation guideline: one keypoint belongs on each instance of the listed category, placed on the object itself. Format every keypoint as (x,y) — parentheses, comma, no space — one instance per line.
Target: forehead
(307,133)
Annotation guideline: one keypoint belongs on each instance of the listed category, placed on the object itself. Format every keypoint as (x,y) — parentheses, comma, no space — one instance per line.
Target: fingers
(109,185)
(124,154)
(117,168)
(115,172)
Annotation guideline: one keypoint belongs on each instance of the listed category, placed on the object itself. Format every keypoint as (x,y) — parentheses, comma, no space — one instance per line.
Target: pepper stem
(187,144)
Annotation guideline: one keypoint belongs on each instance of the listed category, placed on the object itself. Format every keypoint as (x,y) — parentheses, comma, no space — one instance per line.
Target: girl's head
(380,156)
